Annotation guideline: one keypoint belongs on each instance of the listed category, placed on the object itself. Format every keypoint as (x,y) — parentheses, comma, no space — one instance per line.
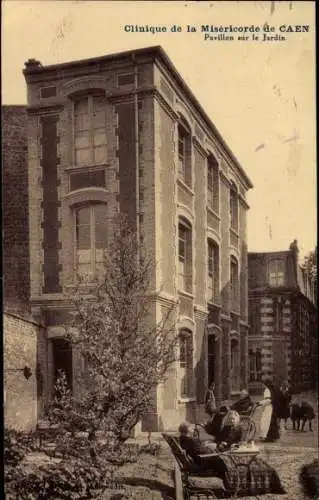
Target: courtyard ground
(152,477)
(287,456)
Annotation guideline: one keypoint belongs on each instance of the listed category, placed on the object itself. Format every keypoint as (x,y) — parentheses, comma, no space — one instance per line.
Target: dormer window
(276,272)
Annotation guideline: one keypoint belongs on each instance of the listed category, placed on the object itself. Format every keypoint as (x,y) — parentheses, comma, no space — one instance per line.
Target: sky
(259,94)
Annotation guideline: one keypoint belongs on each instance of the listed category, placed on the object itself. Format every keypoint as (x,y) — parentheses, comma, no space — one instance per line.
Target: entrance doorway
(62,360)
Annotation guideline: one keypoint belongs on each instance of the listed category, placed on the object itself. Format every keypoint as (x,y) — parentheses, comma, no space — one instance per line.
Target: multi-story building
(123,132)
(282,318)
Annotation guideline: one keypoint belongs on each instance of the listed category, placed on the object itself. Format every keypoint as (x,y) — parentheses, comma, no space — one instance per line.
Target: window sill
(235,312)
(82,287)
(213,212)
(186,400)
(215,304)
(234,231)
(185,186)
(91,166)
(188,295)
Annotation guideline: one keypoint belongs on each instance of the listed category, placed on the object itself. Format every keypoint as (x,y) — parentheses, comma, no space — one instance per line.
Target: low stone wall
(20,337)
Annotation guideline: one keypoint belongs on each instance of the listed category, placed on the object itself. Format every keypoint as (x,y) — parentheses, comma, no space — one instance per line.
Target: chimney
(32,64)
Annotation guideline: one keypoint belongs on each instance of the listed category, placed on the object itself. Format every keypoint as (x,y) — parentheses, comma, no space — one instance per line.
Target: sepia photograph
(160,328)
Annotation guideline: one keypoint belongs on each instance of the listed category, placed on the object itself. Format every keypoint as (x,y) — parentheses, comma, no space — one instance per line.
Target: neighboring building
(15,220)
(283,320)
(124,132)
(21,333)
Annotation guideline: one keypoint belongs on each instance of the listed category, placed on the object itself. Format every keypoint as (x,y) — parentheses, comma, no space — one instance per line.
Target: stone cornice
(45,109)
(243,201)
(52,301)
(199,146)
(224,178)
(118,96)
(159,97)
(164,298)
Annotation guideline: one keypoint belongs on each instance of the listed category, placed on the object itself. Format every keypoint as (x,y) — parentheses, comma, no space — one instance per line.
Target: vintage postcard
(160,249)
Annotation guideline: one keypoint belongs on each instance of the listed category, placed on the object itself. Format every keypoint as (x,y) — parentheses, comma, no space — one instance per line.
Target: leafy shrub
(127,453)
(17,444)
(150,449)
(309,479)
(76,480)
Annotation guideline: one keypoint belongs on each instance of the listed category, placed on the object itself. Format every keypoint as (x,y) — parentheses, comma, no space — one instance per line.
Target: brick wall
(21,337)
(15,208)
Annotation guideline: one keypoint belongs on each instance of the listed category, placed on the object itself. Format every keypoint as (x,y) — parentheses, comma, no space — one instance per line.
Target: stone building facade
(124,133)
(283,320)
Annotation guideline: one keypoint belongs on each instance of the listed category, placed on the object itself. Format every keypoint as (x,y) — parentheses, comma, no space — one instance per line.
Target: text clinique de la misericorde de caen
(210,32)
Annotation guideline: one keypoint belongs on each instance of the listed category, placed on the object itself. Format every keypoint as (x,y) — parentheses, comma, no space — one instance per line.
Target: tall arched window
(212,183)
(184,153)
(186,362)
(255,365)
(234,284)
(90,130)
(185,256)
(212,271)
(90,238)
(233,207)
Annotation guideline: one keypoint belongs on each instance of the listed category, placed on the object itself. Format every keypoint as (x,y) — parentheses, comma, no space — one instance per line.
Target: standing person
(210,401)
(284,400)
(273,432)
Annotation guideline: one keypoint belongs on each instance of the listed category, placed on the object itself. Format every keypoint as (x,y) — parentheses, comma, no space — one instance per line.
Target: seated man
(244,404)
(193,446)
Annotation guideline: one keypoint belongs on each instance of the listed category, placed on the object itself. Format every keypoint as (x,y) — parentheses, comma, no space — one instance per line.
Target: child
(210,402)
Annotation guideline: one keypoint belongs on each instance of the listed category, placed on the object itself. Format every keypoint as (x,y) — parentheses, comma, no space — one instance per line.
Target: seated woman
(231,431)
(244,404)
(225,428)
(193,446)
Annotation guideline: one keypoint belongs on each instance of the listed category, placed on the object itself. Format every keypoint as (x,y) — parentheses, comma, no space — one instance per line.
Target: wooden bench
(194,480)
